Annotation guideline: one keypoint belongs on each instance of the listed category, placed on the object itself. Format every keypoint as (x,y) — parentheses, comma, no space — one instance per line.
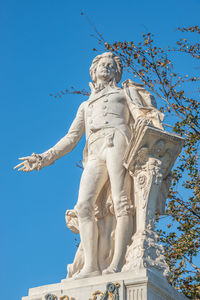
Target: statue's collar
(104,92)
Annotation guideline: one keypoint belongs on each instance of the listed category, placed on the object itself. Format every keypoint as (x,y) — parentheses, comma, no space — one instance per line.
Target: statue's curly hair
(118,73)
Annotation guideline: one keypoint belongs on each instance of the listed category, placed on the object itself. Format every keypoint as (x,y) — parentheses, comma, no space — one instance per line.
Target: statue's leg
(93,178)
(124,227)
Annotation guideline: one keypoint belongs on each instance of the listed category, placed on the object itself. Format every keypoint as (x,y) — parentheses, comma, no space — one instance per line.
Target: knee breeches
(105,160)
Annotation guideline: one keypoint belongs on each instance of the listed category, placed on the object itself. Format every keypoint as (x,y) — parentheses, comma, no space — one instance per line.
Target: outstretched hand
(29,163)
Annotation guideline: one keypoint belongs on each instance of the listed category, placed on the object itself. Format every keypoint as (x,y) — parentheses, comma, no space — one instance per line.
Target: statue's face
(106,69)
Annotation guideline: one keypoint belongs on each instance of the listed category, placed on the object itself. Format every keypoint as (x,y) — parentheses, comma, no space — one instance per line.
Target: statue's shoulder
(83,105)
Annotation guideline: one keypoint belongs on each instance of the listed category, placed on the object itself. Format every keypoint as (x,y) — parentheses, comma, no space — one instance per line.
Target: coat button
(90,121)
(106,122)
(105,114)
(104,106)
(105,100)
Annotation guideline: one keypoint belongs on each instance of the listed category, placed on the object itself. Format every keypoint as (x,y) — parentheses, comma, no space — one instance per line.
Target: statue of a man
(109,119)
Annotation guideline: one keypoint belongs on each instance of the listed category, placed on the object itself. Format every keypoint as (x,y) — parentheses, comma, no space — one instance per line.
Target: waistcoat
(107,109)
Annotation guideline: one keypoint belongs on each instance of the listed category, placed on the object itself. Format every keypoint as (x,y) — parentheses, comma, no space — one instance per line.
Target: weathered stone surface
(142,284)
(127,173)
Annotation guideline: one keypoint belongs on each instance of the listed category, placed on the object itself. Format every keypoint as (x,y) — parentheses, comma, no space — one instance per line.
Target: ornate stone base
(142,284)
(145,252)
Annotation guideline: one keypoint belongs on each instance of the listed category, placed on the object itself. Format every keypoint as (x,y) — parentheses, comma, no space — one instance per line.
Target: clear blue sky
(46,47)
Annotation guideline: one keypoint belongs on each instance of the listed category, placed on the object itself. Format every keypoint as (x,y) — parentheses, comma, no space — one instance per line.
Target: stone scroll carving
(112,292)
(51,297)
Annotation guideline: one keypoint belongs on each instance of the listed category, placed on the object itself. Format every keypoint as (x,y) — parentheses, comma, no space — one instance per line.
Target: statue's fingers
(31,168)
(22,169)
(18,166)
(25,158)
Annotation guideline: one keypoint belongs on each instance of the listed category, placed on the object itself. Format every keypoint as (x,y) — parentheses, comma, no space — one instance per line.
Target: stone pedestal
(142,284)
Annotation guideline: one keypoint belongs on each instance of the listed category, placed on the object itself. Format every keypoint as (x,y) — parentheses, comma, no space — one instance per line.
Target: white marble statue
(127,163)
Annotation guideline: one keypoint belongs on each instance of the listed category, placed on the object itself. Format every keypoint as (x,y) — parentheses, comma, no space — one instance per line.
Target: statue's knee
(84,210)
(122,206)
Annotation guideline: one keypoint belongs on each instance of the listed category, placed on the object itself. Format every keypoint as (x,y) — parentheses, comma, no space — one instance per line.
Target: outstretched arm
(64,146)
